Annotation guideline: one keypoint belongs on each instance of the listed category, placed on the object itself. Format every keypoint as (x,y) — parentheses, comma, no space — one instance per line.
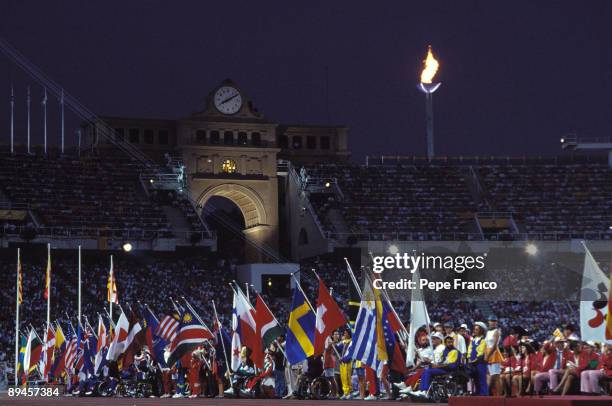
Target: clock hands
(230,98)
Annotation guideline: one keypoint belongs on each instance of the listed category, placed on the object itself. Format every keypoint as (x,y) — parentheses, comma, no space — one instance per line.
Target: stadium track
(69,401)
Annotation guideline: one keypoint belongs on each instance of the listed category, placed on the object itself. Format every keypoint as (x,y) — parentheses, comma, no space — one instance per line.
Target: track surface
(69,401)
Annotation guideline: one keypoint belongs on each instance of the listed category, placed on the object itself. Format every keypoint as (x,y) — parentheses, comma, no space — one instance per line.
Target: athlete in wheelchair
(443,379)
(311,383)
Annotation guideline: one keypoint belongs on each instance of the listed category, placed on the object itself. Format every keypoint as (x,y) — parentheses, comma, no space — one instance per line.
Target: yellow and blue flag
(300,330)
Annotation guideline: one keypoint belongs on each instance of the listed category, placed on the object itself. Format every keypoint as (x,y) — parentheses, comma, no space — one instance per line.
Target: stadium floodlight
(127,247)
(393,249)
(531,249)
(428,86)
(327,184)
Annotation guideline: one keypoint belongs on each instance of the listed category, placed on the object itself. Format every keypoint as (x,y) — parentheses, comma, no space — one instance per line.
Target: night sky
(516,75)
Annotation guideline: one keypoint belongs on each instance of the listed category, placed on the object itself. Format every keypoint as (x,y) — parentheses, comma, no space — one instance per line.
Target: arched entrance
(257,227)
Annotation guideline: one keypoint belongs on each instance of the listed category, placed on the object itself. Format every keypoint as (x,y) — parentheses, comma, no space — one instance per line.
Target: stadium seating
(97,195)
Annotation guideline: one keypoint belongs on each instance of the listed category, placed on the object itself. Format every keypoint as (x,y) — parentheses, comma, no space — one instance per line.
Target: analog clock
(228,100)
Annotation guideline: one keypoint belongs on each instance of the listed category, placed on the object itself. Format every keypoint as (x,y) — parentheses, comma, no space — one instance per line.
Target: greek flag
(363,344)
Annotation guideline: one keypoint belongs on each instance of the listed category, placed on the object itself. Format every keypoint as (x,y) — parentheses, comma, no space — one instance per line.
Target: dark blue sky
(516,75)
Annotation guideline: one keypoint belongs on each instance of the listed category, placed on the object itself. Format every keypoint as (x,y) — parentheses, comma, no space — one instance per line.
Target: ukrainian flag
(300,330)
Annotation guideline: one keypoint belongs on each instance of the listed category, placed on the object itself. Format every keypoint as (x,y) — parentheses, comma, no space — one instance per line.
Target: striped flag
(111,295)
(267,330)
(48,277)
(71,354)
(102,348)
(167,328)
(364,344)
(190,335)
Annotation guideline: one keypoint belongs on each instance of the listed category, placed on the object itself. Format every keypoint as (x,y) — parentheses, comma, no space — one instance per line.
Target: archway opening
(225,217)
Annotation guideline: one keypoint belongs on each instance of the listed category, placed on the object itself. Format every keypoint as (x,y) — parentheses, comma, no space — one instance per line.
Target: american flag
(167,328)
(71,352)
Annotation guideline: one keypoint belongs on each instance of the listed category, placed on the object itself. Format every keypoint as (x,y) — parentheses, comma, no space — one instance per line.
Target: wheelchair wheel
(438,393)
(320,388)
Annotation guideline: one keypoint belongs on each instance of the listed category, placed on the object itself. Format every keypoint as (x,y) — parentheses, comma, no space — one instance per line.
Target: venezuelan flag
(300,329)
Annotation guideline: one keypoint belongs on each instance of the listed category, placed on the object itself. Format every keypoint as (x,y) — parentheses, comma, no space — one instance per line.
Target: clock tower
(229,150)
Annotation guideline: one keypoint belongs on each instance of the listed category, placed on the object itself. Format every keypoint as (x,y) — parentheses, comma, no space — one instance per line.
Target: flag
(243,321)
(48,276)
(47,353)
(60,349)
(391,326)
(32,352)
(70,355)
(364,343)
(20,362)
(134,341)
(267,328)
(111,286)
(102,346)
(595,302)
(300,329)
(118,345)
(152,339)
(167,328)
(329,317)
(19,280)
(90,345)
(191,334)
(418,318)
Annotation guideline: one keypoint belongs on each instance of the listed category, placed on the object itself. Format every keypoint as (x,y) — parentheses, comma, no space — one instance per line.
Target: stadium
(224,257)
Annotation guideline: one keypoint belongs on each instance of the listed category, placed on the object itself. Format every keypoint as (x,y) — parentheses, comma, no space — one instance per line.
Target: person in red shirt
(589,379)
(548,358)
(507,366)
(585,357)
(526,361)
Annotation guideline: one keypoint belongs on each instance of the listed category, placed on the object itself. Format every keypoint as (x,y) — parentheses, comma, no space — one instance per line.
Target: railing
(494,215)
(89,232)
(404,236)
(482,160)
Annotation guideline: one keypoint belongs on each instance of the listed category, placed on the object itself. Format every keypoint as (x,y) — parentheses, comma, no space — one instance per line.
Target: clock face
(228,100)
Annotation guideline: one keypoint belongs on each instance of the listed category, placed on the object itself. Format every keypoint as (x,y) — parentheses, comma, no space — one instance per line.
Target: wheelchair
(444,386)
(317,389)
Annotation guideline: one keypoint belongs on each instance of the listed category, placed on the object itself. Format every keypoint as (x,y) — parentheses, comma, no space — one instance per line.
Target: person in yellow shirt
(346,366)
(450,361)
(477,362)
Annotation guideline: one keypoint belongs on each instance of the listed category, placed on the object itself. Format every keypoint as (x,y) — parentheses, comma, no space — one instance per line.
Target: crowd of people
(440,201)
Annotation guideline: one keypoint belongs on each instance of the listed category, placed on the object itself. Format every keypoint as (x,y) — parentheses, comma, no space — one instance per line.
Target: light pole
(427,86)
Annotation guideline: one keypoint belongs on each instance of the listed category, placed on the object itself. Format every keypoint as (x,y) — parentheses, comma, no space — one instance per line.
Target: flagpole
(297,283)
(62,114)
(12,119)
(110,319)
(227,364)
(28,126)
(49,283)
(110,299)
(17,315)
(151,311)
(79,297)
(353,278)
(194,312)
(44,103)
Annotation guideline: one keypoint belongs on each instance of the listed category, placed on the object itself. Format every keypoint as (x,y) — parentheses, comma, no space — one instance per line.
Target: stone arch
(248,201)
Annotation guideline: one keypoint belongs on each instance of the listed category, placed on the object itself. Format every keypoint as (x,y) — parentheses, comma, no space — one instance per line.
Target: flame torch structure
(428,87)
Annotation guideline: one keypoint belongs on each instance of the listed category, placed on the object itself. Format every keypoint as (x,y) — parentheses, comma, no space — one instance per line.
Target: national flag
(167,328)
(418,318)
(60,349)
(135,340)
(32,352)
(191,334)
(48,276)
(236,341)
(111,286)
(267,328)
(90,345)
(300,329)
(102,346)
(390,327)
(364,343)
(246,328)
(46,361)
(595,302)
(70,355)
(152,339)
(20,362)
(118,344)
(329,318)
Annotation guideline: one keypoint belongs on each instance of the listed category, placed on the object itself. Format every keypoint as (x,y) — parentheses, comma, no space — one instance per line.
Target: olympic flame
(430,68)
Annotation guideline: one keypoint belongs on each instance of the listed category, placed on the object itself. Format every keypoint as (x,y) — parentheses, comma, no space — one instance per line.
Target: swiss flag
(329,318)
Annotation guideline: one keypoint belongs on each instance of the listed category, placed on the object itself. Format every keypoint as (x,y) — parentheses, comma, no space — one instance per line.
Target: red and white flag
(167,328)
(329,318)
(118,345)
(47,354)
(102,347)
(243,324)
